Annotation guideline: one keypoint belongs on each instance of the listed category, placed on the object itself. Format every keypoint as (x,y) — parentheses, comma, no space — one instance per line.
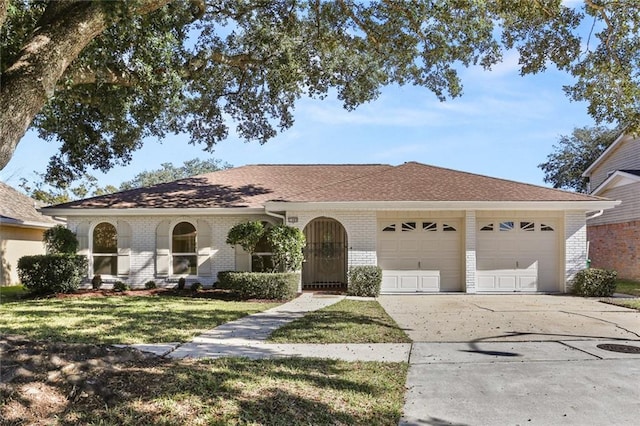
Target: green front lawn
(348,321)
(628,287)
(11,293)
(120,319)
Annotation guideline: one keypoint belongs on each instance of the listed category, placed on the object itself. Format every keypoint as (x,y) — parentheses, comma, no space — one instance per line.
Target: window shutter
(204,248)
(82,234)
(163,257)
(124,247)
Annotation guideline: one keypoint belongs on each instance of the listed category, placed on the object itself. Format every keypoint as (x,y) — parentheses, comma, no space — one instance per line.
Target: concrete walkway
(246,337)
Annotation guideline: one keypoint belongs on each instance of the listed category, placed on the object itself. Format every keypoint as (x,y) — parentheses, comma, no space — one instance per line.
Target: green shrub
(60,240)
(364,281)
(150,285)
(594,282)
(259,285)
(121,286)
(52,273)
(286,243)
(181,283)
(196,286)
(96,282)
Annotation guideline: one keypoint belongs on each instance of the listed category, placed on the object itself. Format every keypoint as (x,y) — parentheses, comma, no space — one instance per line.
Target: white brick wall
(470,252)
(361,228)
(575,235)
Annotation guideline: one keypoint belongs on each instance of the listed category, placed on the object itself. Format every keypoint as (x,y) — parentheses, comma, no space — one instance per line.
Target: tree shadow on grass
(98,384)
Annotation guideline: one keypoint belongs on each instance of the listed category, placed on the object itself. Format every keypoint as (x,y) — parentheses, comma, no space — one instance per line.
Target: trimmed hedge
(150,285)
(52,273)
(594,282)
(260,285)
(365,281)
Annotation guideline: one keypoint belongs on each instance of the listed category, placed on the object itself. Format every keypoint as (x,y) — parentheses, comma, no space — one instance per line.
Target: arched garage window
(184,251)
(105,249)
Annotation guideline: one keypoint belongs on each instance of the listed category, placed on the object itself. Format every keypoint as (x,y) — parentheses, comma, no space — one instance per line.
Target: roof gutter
(586,206)
(175,211)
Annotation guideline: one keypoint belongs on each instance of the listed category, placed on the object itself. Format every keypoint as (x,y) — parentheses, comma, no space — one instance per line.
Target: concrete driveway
(464,318)
(518,359)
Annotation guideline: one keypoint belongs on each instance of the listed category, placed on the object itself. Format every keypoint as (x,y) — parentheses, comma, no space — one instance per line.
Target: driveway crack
(605,321)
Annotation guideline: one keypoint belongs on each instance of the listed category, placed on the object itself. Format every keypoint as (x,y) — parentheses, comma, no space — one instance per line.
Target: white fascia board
(617,178)
(604,155)
(232,211)
(445,205)
(27,224)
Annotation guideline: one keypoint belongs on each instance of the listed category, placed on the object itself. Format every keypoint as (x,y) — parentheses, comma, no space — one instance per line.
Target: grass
(628,287)
(348,321)
(11,293)
(120,319)
(228,391)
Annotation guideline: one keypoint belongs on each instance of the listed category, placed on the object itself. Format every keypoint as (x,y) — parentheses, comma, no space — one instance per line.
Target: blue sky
(504,125)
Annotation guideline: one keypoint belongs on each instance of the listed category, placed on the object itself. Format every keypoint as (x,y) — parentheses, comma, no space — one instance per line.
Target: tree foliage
(168,172)
(100,76)
(87,185)
(246,235)
(60,240)
(286,244)
(574,154)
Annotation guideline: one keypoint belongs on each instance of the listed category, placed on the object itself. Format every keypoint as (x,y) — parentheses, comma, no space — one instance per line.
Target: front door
(325,253)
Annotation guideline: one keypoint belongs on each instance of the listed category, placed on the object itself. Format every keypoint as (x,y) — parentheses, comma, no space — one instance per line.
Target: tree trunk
(27,84)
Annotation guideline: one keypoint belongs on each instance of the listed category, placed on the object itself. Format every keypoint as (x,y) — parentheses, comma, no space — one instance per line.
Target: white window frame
(178,254)
(93,254)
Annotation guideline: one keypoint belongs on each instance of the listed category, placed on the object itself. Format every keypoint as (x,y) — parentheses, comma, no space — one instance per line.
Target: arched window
(105,249)
(184,250)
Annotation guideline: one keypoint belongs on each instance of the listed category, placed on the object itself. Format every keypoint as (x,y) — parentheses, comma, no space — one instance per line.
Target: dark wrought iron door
(325,253)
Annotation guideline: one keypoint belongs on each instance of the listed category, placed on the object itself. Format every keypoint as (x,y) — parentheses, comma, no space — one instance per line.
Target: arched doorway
(325,253)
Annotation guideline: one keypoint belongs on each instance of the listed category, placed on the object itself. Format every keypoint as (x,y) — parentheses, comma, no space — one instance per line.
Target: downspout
(597,214)
(593,216)
(279,216)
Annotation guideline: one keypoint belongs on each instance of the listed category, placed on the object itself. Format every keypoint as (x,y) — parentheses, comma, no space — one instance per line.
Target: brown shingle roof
(254,185)
(16,207)
(420,182)
(246,186)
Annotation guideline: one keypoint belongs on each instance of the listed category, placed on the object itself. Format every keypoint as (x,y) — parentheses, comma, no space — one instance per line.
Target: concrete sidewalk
(246,337)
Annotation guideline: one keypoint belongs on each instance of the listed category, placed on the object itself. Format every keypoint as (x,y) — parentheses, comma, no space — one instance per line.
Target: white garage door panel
(409,258)
(410,281)
(522,255)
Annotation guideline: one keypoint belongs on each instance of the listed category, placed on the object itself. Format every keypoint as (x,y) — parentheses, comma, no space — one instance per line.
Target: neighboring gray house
(430,229)
(21,228)
(614,236)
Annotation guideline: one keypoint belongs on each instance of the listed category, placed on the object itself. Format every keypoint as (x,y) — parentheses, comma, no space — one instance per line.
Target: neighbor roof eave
(618,173)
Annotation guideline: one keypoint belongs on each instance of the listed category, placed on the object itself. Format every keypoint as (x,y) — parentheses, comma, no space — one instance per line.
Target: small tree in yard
(286,243)
(246,235)
(60,240)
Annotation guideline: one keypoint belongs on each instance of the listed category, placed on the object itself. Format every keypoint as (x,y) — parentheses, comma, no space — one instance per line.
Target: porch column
(470,251)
